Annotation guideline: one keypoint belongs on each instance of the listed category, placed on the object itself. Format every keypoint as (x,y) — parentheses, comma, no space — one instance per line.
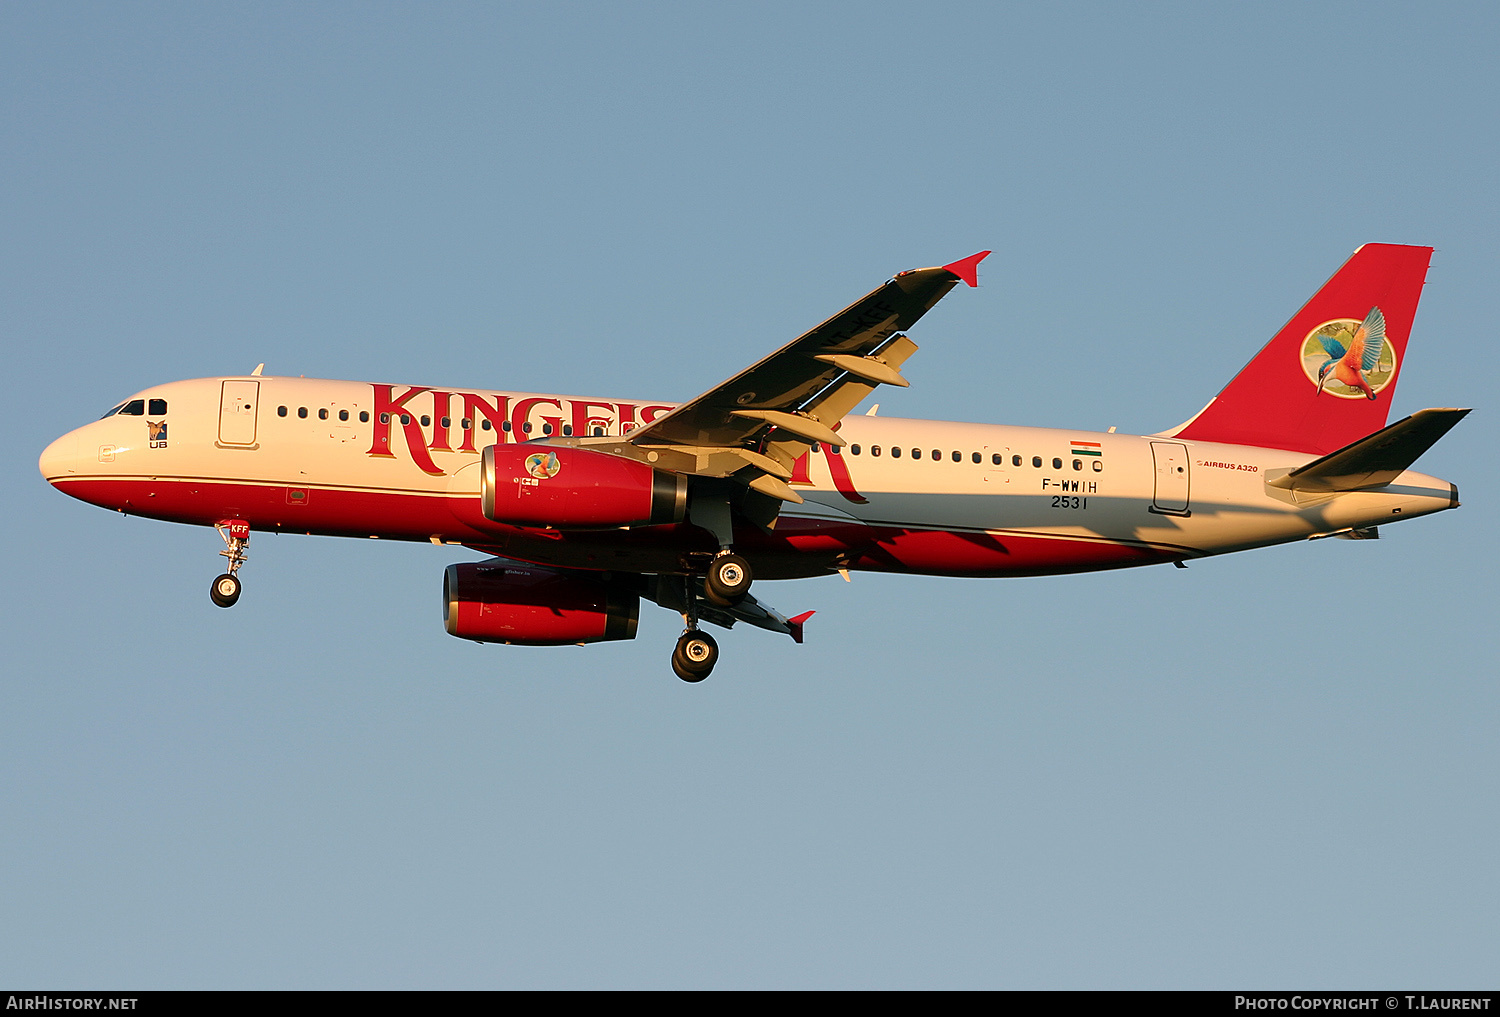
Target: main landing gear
(728,580)
(695,655)
(724,585)
(697,652)
(226,588)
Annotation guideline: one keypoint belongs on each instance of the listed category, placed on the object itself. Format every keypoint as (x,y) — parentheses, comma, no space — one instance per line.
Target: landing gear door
(1172,478)
(237,408)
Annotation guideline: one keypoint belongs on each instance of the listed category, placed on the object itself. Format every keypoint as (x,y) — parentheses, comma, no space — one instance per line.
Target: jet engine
(577,488)
(513,603)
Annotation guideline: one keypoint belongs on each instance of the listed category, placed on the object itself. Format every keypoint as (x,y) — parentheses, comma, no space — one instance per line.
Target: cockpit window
(157,407)
(113,411)
(134,408)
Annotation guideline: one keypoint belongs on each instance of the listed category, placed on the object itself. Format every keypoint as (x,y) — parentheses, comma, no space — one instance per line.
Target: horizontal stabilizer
(1374,460)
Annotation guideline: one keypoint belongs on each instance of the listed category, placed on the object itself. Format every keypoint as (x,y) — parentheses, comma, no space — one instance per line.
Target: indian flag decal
(1087,448)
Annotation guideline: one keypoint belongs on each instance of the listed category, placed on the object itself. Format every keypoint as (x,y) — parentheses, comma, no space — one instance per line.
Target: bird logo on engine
(543,465)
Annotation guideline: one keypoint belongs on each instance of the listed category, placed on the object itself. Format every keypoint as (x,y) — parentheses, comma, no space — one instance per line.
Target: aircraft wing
(765,416)
(670,592)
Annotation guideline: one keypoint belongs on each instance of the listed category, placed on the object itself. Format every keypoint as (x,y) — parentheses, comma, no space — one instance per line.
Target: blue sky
(1274,769)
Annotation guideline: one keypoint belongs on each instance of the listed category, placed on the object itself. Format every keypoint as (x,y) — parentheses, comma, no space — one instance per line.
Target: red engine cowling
(542,485)
(527,604)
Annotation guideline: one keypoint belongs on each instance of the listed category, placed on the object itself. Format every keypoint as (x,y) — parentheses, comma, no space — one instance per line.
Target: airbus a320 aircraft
(586,505)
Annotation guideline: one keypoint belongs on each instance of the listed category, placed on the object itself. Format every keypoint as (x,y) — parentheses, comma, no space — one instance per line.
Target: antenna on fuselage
(258,368)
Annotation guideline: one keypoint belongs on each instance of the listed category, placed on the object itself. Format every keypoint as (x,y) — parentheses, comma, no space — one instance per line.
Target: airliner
(582,506)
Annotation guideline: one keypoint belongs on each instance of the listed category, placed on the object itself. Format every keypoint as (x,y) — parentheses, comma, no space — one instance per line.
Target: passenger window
(466,424)
(447,421)
(156,407)
(598,432)
(835,450)
(895,451)
(526,427)
(567,430)
(546,428)
(281,411)
(302,412)
(385,418)
(504,426)
(875,450)
(134,408)
(364,416)
(1098,466)
(1077,464)
(854,450)
(323,414)
(916,453)
(817,448)
(979,458)
(1015,460)
(426,420)
(406,418)
(937,455)
(1036,461)
(997,459)
(1056,463)
(486,425)
(343,414)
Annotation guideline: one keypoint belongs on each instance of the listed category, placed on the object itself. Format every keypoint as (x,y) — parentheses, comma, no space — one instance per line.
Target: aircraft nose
(60,459)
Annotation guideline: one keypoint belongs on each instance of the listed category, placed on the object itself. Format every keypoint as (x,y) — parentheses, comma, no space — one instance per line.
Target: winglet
(968,269)
(795,624)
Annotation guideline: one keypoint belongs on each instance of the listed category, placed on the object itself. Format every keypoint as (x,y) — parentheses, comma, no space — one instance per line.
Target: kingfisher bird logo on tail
(1353,359)
(1348,341)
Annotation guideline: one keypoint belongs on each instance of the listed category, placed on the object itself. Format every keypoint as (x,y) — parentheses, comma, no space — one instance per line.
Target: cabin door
(1171,459)
(237,405)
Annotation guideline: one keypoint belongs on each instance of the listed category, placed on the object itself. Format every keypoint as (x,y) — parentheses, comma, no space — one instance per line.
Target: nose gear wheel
(226,588)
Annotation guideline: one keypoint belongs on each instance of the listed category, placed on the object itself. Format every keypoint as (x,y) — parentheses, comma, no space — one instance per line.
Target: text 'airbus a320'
(586,505)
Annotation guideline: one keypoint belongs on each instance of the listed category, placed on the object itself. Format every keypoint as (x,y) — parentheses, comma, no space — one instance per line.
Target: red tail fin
(1328,376)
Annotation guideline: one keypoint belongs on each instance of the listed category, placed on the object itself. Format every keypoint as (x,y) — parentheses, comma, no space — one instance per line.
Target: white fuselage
(924,496)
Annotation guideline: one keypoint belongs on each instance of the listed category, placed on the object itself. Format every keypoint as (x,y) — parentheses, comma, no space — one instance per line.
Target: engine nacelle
(527,604)
(562,487)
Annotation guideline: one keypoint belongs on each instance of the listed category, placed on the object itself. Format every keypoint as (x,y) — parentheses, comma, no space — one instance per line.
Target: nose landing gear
(226,588)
